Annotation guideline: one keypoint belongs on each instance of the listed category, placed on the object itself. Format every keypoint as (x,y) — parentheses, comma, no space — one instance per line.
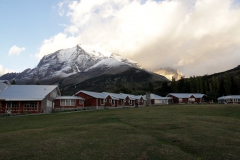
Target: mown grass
(162,132)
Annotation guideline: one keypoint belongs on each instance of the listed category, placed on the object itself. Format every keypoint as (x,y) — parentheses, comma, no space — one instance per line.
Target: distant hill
(235,72)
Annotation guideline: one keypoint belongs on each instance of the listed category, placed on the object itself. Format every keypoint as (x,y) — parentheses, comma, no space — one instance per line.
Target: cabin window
(102,101)
(80,101)
(30,106)
(67,102)
(110,100)
(1,106)
(192,99)
(180,99)
(13,105)
(113,101)
(129,101)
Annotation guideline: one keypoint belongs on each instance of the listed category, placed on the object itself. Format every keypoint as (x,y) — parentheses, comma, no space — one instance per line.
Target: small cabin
(185,98)
(24,99)
(230,99)
(97,100)
(154,99)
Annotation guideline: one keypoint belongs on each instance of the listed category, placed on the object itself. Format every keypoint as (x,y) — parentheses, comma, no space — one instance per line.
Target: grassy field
(162,132)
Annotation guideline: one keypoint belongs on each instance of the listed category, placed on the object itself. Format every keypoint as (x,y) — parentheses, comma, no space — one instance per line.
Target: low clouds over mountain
(193,36)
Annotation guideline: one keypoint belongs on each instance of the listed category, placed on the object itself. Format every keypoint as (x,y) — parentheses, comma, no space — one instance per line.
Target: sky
(197,37)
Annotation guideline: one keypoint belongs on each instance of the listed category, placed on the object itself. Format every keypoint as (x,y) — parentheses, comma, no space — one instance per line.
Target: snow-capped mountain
(66,62)
(73,60)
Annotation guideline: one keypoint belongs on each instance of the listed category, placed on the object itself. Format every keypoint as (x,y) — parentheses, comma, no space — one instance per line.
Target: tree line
(212,86)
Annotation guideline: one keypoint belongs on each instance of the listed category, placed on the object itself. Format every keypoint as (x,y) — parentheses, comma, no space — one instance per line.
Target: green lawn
(162,132)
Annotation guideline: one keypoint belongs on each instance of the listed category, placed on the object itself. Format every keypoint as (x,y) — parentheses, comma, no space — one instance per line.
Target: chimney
(148,98)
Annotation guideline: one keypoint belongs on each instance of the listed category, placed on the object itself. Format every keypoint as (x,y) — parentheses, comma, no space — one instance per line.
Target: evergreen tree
(221,91)
(193,87)
(215,87)
(238,84)
(197,85)
(205,87)
(150,87)
(200,80)
(181,85)
(174,85)
(234,86)
(13,82)
(165,89)
(187,88)
(227,84)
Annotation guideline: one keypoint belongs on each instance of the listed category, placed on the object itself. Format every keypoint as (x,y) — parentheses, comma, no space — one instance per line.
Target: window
(180,99)
(80,101)
(102,101)
(158,101)
(1,107)
(129,101)
(67,102)
(113,101)
(15,106)
(30,106)
(192,99)
(12,106)
(110,100)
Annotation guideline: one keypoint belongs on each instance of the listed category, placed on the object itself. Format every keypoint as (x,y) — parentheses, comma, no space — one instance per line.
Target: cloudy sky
(196,37)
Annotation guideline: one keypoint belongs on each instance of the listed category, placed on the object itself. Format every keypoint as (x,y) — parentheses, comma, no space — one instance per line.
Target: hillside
(132,80)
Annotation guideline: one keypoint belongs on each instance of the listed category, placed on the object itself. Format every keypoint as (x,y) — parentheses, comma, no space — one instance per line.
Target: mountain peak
(66,62)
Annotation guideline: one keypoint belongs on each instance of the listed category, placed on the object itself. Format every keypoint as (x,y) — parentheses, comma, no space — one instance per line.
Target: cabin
(140,100)
(97,100)
(230,99)
(185,98)
(121,99)
(130,100)
(23,99)
(153,99)
(68,103)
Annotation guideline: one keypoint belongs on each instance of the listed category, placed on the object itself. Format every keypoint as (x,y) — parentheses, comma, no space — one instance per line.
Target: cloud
(59,41)
(170,73)
(4,70)
(196,37)
(14,50)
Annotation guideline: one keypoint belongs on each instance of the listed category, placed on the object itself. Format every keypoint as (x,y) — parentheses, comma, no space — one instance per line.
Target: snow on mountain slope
(109,63)
(66,62)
